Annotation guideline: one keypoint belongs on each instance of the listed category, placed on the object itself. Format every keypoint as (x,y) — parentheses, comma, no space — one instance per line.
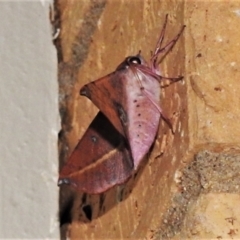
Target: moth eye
(135,60)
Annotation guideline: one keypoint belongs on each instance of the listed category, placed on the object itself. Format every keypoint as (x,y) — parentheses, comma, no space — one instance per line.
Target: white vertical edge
(29,122)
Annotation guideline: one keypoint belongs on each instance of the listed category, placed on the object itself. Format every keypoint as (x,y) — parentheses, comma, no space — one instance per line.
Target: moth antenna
(171,44)
(168,47)
(161,37)
(159,42)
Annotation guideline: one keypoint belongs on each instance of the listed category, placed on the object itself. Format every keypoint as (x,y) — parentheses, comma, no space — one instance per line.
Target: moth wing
(127,98)
(142,101)
(100,160)
(106,93)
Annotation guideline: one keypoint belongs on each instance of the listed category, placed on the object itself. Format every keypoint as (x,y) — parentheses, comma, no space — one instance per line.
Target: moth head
(134,60)
(137,59)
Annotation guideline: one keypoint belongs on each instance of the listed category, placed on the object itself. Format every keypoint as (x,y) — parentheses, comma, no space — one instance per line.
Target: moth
(125,128)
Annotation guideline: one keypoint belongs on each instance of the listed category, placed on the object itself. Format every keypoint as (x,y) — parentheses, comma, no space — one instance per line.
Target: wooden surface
(95,37)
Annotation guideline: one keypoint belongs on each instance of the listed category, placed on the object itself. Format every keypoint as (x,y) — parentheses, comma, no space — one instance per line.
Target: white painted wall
(29,122)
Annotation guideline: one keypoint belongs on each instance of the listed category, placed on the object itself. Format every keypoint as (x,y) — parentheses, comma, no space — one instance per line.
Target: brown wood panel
(95,37)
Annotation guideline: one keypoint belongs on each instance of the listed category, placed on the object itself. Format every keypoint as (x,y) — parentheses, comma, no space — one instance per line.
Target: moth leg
(173,79)
(157,76)
(167,120)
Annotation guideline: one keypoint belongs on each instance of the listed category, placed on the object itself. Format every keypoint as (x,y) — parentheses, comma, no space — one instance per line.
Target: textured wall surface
(171,190)
(29,122)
